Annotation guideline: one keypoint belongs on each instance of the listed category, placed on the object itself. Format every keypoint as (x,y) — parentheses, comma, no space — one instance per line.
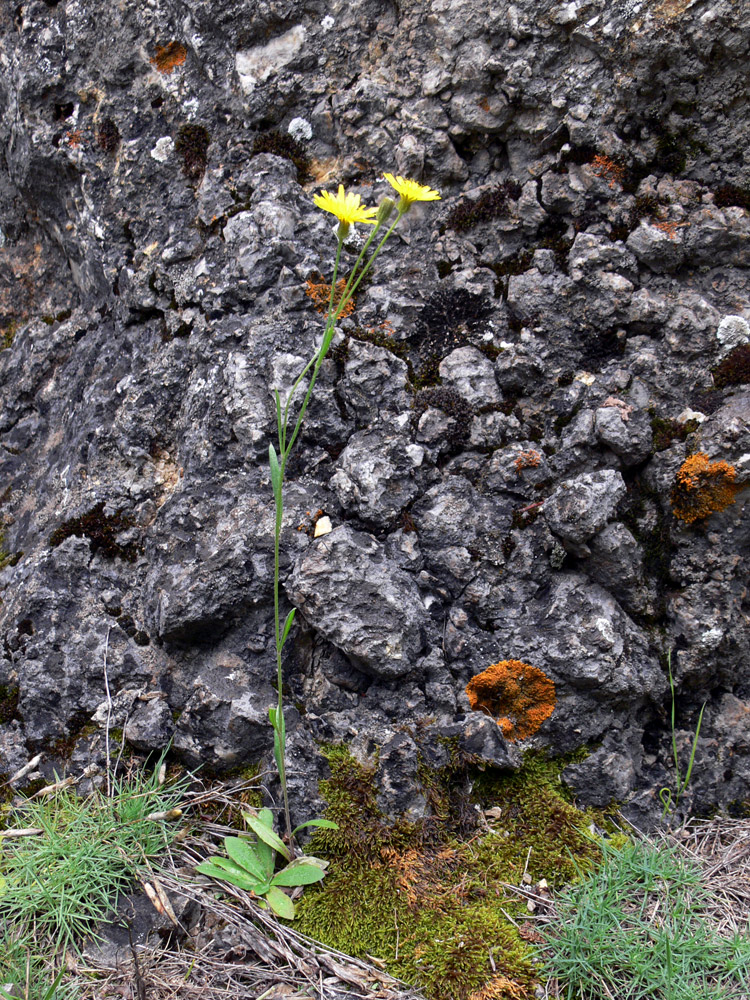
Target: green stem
(285,447)
(346,297)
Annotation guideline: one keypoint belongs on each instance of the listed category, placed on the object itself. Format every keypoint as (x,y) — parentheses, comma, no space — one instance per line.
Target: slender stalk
(286,443)
(347,297)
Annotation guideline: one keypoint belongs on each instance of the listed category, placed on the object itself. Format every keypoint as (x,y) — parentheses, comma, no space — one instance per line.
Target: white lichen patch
(732,332)
(300,129)
(255,65)
(163,149)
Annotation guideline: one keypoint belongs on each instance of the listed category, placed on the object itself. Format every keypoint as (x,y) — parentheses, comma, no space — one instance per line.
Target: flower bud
(385,211)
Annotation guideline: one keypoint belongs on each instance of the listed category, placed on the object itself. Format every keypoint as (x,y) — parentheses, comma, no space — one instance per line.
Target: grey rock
(150,725)
(625,430)
(225,719)
(581,507)
(372,612)
(376,475)
(657,249)
(603,779)
(471,374)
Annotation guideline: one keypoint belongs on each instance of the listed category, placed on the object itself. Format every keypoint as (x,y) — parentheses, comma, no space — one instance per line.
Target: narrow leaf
(298,875)
(287,626)
(267,835)
(280,903)
(695,747)
(239,878)
(325,824)
(266,816)
(273,461)
(245,856)
(277,399)
(266,855)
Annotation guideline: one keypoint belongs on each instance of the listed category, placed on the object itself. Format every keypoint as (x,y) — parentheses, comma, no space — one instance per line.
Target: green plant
(24,972)
(636,928)
(251,863)
(348,210)
(63,880)
(665,794)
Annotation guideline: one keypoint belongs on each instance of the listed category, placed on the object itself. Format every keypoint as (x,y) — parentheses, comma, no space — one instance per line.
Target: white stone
(255,65)
(731,332)
(688,414)
(163,149)
(300,129)
(328,22)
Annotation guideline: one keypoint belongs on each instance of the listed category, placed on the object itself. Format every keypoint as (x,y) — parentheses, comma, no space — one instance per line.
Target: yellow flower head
(410,192)
(346,207)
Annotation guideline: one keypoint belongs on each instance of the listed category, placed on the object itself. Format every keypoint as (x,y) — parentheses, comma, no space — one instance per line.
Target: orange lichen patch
(74,139)
(606,168)
(518,696)
(668,227)
(527,460)
(320,293)
(500,988)
(703,488)
(168,57)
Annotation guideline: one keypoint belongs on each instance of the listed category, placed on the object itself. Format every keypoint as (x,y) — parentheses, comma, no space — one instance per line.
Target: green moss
(7,558)
(428,898)
(8,334)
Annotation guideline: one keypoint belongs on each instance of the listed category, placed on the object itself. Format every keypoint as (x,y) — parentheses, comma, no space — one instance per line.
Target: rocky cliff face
(499,437)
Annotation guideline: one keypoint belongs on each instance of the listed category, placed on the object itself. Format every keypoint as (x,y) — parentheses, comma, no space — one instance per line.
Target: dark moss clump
(192,144)
(101,531)
(667,430)
(450,319)
(734,369)
(641,512)
(490,205)
(731,195)
(601,347)
(451,403)
(673,148)
(646,207)
(578,155)
(284,145)
(8,704)
(108,136)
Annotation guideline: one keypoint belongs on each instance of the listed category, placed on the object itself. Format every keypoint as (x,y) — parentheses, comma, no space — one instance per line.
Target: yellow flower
(410,191)
(346,207)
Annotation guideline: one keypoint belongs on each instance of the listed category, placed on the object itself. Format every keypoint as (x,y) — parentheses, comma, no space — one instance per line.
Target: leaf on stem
(325,824)
(245,856)
(287,626)
(280,903)
(273,461)
(266,834)
(299,874)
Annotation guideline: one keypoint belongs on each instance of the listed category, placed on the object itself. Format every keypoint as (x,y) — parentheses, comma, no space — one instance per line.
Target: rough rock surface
(495,436)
